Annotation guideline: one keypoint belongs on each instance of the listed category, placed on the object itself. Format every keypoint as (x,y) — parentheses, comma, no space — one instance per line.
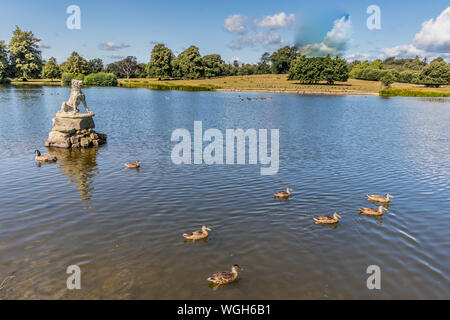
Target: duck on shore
(283,194)
(44,157)
(380,199)
(372,212)
(327,219)
(225,277)
(197,235)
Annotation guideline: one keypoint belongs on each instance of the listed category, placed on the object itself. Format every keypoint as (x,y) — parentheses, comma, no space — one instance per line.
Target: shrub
(66,78)
(101,79)
(5,81)
(412,93)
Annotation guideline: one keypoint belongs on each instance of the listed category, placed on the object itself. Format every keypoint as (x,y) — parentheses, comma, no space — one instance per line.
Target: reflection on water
(79,166)
(124,227)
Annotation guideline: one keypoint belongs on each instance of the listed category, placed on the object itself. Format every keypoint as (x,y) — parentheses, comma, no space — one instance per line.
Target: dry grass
(259,83)
(279,83)
(41,82)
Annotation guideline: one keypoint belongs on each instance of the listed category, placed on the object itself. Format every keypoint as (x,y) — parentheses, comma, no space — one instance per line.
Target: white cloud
(44,45)
(116,56)
(407,50)
(269,40)
(358,56)
(111,46)
(335,41)
(236,23)
(277,21)
(261,30)
(435,34)
(432,41)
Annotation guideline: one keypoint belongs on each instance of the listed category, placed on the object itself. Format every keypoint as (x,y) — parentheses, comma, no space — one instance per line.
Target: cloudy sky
(241,30)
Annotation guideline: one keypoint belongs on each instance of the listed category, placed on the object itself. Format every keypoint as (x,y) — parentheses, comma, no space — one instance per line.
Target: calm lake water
(123,227)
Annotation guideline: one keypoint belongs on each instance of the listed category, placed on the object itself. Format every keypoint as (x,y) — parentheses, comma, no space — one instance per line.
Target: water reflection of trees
(80,166)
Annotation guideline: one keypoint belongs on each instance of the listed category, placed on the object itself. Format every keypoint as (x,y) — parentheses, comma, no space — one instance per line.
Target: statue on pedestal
(72,128)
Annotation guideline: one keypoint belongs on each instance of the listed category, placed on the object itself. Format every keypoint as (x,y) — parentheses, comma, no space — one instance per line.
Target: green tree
(313,70)
(76,64)
(140,71)
(189,64)
(247,69)
(25,55)
(387,78)
(281,59)
(435,74)
(214,66)
(95,65)
(263,66)
(160,65)
(4,63)
(51,69)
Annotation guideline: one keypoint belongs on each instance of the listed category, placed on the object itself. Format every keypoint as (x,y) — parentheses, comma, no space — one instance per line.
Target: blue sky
(114,29)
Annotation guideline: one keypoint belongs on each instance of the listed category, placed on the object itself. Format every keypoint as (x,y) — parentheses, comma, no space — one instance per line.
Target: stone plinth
(64,122)
(74,130)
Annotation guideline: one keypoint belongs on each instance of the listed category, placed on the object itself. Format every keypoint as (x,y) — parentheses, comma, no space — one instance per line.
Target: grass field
(279,83)
(269,83)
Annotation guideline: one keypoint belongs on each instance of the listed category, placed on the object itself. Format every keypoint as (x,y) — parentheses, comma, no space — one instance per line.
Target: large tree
(435,74)
(160,65)
(25,55)
(127,66)
(51,69)
(76,64)
(189,64)
(95,65)
(4,63)
(313,70)
(214,66)
(281,59)
(263,66)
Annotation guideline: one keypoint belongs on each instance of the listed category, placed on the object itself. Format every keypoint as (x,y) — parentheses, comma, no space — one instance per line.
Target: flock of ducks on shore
(226,277)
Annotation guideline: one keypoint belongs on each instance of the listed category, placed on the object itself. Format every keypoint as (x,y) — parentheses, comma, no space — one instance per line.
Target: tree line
(416,71)
(21,58)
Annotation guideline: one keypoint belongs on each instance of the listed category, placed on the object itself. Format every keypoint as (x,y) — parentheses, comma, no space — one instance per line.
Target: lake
(124,228)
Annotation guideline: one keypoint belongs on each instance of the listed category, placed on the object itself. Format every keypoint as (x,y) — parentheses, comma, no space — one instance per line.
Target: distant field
(279,83)
(264,83)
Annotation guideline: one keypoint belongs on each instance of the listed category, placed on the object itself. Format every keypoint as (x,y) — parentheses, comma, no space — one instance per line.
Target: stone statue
(76,97)
(72,128)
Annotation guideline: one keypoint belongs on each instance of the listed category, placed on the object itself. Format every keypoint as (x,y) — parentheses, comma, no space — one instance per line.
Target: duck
(225,277)
(380,199)
(372,212)
(133,165)
(197,235)
(327,219)
(44,157)
(283,194)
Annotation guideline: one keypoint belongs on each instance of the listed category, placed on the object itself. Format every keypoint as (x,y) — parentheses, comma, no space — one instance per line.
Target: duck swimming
(133,165)
(380,199)
(44,157)
(197,235)
(225,277)
(284,194)
(372,212)
(327,219)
